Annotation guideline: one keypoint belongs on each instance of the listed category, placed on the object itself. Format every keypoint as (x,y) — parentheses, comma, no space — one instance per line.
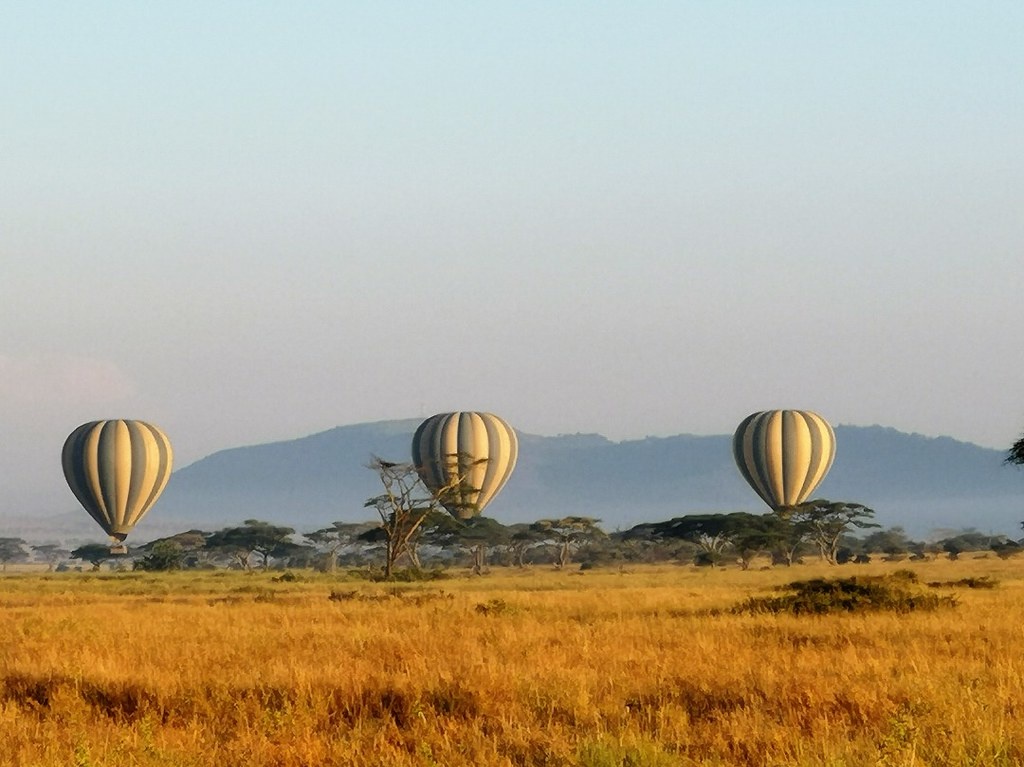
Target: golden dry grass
(518,668)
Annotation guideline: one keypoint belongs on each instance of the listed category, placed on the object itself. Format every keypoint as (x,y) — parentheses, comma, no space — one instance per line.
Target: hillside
(919,482)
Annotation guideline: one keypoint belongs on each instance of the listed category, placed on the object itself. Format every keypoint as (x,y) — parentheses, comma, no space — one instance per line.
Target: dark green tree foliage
(330,541)
(892,542)
(566,535)
(791,540)
(895,593)
(163,555)
(745,535)
(826,522)
(190,548)
(93,553)
(51,553)
(475,535)
(253,537)
(12,550)
(521,541)
(968,540)
(760,534)
(1005,548)
(1016,453)
(645,543)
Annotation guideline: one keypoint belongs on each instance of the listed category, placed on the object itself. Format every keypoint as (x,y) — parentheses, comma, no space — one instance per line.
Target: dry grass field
(517,668)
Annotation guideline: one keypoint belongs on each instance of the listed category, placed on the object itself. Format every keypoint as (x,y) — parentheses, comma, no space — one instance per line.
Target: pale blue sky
(252,221)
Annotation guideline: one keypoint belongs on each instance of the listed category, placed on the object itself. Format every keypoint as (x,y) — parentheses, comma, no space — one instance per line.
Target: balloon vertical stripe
(117,469)
(823,452)
(158,460)
(479,448)
(784,454)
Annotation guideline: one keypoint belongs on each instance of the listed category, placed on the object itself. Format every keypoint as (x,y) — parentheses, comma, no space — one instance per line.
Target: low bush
(494,607)
(821,596)
(984,582)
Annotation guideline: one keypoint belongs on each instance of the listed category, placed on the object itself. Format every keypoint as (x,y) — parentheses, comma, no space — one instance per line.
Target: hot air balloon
(117,469)
(475,452)
(784,454)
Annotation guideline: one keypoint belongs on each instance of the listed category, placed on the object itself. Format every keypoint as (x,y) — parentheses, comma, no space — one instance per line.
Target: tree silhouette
(254,537)
(93,553)
(1016,453)
(826,522)
(403,507)
(12,550)
(51,553)
(331,540)
(567,535)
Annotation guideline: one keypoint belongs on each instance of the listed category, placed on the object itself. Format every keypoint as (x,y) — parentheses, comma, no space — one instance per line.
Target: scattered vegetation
(426,543)
(494,607)
(983,582)
(523,668)
(865,593)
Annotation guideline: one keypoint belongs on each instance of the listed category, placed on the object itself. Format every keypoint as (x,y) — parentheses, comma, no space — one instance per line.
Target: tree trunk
(391,552)
(563,554)
(518,556)
(832,555)
(414,556)
(478,553)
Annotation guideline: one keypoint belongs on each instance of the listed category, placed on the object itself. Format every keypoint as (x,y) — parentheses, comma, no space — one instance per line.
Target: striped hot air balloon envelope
(784,454)
(117,470)
(477,451)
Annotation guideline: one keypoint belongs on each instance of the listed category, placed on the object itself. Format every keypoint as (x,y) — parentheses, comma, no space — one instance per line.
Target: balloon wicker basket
(118,549)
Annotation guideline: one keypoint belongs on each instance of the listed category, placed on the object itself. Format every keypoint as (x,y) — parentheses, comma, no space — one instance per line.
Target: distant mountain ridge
(921,483)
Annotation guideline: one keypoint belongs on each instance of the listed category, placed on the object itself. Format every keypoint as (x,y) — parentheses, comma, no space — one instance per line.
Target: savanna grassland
(518,668)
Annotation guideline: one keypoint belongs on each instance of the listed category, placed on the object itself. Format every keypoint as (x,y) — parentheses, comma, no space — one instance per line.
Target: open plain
(642,666)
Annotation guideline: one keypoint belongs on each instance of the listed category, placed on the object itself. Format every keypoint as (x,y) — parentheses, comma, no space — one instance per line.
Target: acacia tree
(162,555)
(253,537)
(93,553)
(331,540)
(1016,453)
(12,550)
(757,534)
(51,553)
(403,507)
(792,536)
(474,535)
(893,542)
(174,552)
(522,538)
(826,522)
(567,535)
(747,535)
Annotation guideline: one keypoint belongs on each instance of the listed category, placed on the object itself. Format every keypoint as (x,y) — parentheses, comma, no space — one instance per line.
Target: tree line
(413,530)
(823,530)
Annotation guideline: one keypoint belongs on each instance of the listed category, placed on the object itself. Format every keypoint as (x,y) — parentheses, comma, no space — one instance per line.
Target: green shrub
(984,582)
(821,596)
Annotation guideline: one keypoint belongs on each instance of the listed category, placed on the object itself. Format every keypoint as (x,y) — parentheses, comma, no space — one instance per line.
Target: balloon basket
(118,549)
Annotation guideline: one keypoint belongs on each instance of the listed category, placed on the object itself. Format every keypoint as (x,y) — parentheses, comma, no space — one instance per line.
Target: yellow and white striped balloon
(117,469)
(479,448)
(784,454)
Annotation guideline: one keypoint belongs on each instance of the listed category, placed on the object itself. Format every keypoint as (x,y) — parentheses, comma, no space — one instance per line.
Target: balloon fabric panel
(117,470)
(784,454)
(479,448)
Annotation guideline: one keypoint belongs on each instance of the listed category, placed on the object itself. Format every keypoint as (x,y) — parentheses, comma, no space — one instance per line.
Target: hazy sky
(251,221)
